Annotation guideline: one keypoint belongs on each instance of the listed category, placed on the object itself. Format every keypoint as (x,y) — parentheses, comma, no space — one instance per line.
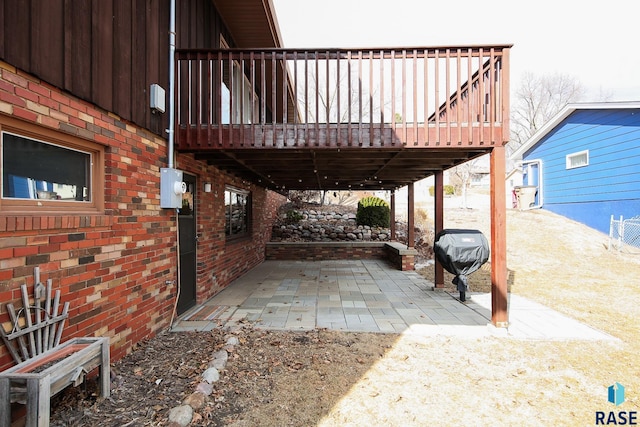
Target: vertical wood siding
(198,25)
(107,52)
(610,184)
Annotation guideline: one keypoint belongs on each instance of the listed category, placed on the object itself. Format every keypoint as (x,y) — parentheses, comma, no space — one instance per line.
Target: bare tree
(342,196)
(300,197)
(464,173)
(537,100)
(330,90)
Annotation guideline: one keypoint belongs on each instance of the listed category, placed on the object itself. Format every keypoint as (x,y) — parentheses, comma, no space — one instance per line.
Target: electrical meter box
(171,188)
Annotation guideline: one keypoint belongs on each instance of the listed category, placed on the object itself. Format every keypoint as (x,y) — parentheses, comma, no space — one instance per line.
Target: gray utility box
(171,188)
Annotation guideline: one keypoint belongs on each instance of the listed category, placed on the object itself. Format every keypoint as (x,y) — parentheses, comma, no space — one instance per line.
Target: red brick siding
(112,267)
(219,261)
(309,251)
(403,262)
(324,252)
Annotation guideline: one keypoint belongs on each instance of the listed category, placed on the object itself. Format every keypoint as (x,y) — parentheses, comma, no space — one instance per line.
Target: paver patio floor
(369,296)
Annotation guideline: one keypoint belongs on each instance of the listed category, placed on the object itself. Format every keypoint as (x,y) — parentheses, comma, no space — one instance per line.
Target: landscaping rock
(219,360)
(211,375)
(196,400)
(205,388)
(181,415)
(337,224)
(323,226)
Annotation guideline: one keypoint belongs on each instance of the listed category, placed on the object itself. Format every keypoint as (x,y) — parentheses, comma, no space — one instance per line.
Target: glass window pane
(577,160)
(237,205)
(227,213)
(36,170)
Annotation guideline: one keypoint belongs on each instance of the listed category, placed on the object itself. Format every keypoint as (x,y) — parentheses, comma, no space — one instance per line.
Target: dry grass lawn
(325,378)
(497,381)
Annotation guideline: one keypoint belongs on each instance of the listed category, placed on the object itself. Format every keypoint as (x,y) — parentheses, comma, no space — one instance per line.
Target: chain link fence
(624,234)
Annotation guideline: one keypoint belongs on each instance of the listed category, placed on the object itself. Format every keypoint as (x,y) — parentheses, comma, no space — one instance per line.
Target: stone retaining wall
(314,235)
(315,226)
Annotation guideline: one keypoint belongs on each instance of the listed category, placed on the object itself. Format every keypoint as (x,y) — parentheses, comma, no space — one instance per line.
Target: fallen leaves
(264,368)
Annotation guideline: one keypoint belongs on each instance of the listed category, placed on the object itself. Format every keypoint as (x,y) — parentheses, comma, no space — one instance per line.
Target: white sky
(595,42)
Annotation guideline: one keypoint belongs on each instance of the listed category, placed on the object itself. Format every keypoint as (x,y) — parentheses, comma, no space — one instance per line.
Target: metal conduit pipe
(172,95)
(170,143)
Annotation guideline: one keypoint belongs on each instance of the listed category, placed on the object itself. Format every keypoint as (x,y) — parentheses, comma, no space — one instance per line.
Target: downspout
(172,95)
(170,144)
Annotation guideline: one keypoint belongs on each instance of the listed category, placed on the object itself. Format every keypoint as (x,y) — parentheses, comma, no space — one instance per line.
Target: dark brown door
(187,230)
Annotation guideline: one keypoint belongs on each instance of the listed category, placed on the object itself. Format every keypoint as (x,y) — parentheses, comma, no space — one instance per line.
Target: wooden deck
(234,101)
(361,119)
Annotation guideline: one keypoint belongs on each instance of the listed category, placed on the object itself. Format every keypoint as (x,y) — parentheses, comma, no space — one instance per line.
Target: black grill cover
(461,252)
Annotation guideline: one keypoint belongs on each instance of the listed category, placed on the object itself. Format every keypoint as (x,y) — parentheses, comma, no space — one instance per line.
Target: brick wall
(403,260)
(323,251)
(113,266)
(397,254)
(220,261)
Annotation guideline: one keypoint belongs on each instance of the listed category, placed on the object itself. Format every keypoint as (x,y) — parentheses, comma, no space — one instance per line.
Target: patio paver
(370,296)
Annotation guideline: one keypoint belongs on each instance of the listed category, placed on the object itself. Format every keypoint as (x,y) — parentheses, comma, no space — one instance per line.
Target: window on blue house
(237,212)
(48,171)
(578,160)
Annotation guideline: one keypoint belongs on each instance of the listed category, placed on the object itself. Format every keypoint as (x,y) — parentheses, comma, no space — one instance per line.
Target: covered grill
(461,252)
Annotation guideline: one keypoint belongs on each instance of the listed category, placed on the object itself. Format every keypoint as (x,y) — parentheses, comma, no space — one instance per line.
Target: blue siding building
(585,163)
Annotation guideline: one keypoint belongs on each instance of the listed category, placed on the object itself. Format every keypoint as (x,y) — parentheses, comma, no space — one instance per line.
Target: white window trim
(572,156)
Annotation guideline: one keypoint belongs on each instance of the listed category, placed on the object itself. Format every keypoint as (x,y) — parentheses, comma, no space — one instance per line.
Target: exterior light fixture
(207,187)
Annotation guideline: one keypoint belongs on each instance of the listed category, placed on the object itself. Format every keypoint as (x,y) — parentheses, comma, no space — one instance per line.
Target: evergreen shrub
(373,211)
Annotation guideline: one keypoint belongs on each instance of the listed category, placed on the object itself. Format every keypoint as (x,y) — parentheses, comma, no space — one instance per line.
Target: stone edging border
(182,415)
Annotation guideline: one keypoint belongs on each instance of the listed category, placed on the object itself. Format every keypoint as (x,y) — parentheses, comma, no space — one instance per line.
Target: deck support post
(499,313)
(392,216)
(410,217)
(438,207)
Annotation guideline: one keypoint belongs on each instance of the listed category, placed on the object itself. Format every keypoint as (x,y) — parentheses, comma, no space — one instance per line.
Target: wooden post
(105,369)
(410,217)
(5,403)
(499,314)
(438,207)
(392,216)
(38,401)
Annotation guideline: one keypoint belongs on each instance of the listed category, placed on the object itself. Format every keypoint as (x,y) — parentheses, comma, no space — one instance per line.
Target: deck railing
(442,96)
